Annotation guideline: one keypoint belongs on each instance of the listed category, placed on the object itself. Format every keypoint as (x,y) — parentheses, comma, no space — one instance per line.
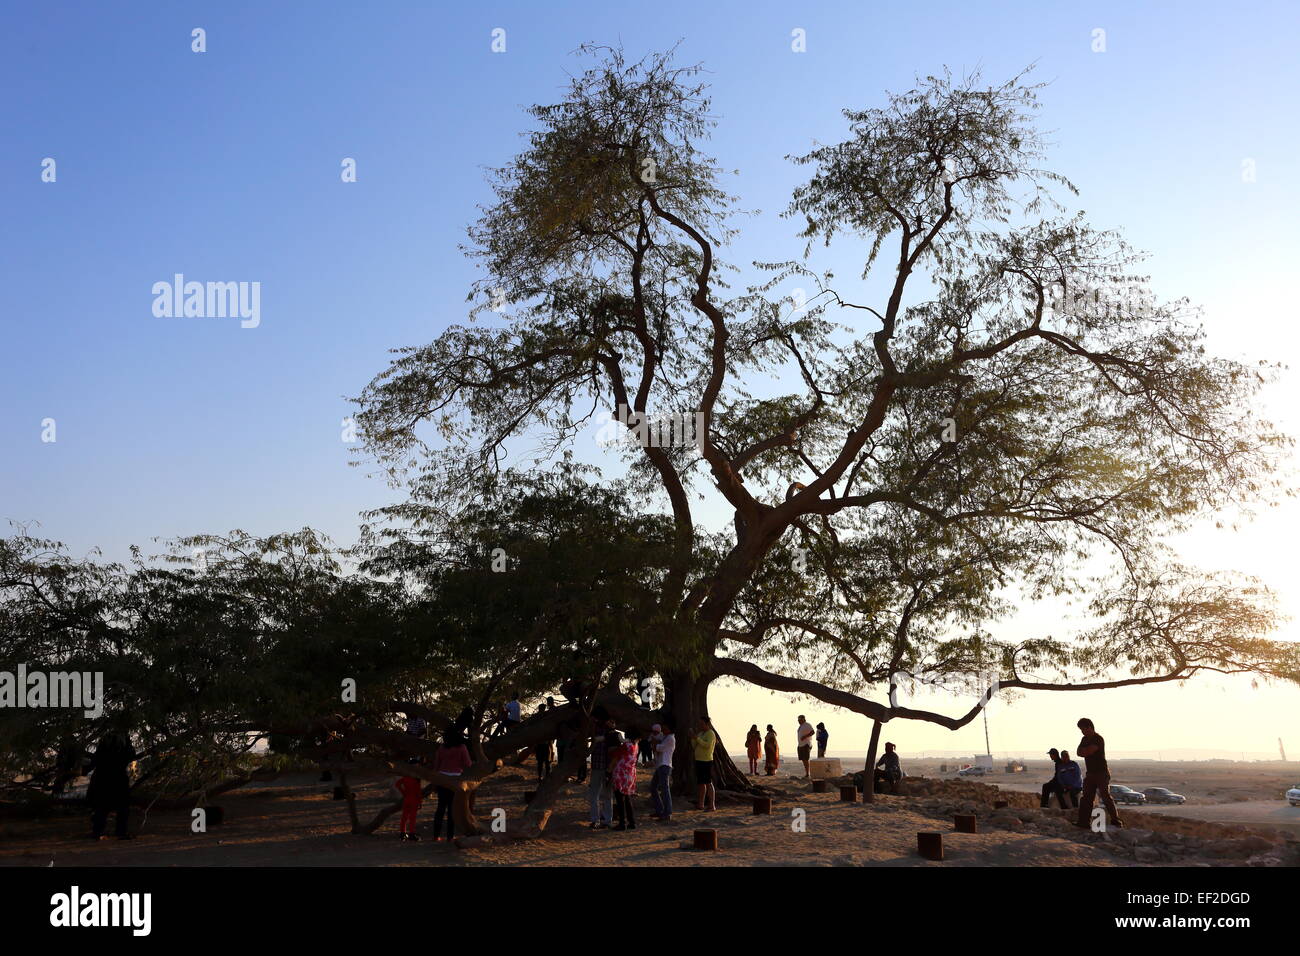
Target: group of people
(614,760)
(613,771)
(452,760)
(767,748)
(1066,783)
(1081,789)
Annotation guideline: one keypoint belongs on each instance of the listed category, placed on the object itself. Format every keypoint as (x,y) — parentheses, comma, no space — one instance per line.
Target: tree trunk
(869,774)
(462,809)
(681,702)
(538,812)
(686,698)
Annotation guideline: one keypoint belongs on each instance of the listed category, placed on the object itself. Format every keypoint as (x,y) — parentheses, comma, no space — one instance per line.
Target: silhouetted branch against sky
(1017,409)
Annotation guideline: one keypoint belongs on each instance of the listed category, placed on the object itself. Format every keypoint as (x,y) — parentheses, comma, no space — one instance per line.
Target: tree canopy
(1019,412)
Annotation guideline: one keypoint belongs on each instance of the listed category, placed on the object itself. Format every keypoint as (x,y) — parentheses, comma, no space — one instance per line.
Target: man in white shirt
(661,785)
(806,735)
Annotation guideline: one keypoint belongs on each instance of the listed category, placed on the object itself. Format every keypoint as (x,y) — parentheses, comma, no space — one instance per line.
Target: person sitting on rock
(1053,786)
(888,770)
(1070,778)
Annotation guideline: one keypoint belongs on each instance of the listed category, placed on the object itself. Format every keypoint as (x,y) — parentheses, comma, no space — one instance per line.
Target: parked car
(1161,795)
(1293,796)
(972,772)
(1122,794)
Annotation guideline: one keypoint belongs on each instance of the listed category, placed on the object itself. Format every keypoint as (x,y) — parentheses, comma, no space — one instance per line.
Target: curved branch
(744,670)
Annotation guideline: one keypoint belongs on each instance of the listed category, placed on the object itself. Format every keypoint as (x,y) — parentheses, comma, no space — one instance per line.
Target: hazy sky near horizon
(225,166)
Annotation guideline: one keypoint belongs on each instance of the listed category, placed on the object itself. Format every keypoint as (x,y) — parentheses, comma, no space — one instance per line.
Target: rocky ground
(1145,838)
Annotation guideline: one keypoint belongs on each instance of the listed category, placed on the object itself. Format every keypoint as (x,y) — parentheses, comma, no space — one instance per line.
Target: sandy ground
(294,821)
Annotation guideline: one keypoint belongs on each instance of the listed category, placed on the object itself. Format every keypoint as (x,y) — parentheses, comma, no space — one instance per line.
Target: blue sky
(225,166)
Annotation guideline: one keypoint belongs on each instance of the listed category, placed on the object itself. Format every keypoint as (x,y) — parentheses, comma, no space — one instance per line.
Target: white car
(973,772)
(1293,796)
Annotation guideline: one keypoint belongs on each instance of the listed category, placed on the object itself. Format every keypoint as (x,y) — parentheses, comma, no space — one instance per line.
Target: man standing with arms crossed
(1096,778)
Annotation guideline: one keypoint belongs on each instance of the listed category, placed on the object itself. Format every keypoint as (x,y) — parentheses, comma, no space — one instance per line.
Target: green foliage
(225,639)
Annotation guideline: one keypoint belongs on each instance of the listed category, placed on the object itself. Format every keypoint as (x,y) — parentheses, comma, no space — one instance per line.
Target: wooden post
(821,786)
(351,799)
(762,806)
(706,839)
(930,845)
(965,823)
(849,794)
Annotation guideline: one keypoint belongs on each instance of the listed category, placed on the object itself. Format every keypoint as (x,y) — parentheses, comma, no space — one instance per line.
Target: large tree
(1017,397)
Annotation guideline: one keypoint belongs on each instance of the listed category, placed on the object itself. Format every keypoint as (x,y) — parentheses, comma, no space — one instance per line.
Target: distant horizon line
(1170,755)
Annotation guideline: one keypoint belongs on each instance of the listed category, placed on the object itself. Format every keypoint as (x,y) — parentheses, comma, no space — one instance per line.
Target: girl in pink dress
(623,771)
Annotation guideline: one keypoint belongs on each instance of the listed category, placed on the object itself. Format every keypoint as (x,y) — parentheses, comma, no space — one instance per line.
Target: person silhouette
(110,786)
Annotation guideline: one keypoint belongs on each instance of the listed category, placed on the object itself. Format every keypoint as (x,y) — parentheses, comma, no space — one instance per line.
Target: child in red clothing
(410,790)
